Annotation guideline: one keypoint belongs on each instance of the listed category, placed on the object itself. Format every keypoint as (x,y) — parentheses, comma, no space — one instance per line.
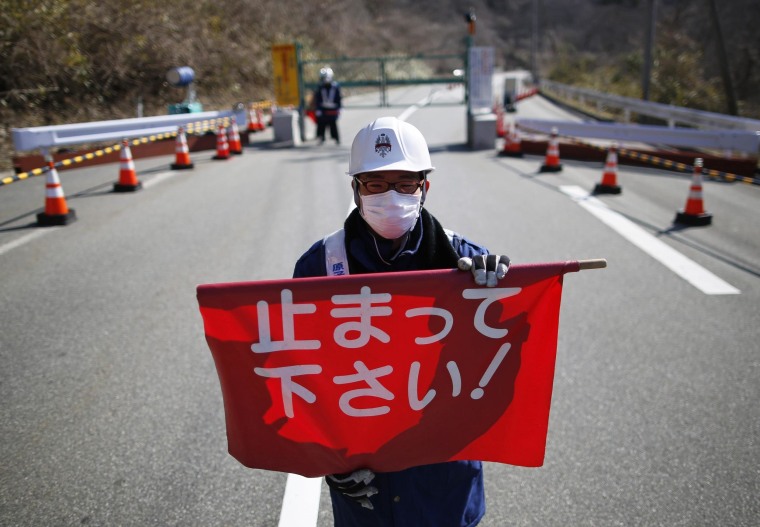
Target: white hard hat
(389,144)
(326,74)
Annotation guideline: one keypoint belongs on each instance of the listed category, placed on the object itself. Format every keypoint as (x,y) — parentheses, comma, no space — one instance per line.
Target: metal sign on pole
(287,121)
(481,121)
(480,63)
(285,75)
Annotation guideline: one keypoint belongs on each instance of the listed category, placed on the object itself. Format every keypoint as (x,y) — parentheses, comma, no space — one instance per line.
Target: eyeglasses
(379,186)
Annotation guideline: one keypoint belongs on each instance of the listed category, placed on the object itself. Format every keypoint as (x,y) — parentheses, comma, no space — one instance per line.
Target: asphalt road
(111,411)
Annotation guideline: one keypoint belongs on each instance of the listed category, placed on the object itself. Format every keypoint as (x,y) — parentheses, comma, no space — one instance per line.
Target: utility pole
(725,71)
(534,42)
(648,50)
(470,18)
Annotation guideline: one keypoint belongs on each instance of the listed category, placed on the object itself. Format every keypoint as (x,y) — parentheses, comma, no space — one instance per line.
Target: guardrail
(724,140)
(195,127)
(671,114)
(46,137)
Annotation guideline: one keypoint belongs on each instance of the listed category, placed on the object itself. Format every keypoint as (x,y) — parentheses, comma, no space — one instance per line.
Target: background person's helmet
(326,75)
(389,144)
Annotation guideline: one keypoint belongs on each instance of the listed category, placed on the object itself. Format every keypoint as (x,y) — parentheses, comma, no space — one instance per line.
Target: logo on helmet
(383,145)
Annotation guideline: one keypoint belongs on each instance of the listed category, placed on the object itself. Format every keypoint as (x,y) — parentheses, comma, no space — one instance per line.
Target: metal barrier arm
(44,137)
(668,112)
(654,160)
(737,140)
(193,127)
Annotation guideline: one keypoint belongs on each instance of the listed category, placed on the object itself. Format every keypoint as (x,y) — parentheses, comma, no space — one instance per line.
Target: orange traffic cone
(57,212)
(222,146)
(252,120)
(609,177)
(260,117)
(500,131)
(551,162)
(694,213)
(236,147)
(255,121)
(182,157)
(128,181)
(512,142)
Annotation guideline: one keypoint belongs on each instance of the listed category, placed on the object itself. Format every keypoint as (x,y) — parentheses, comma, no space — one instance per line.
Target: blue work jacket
(438,495)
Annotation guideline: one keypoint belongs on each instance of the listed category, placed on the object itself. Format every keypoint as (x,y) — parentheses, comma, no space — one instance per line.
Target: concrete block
(481,131)
(286,129)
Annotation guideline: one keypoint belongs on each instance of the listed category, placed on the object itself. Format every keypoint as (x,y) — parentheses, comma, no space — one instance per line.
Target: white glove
(354,485)
(487,269)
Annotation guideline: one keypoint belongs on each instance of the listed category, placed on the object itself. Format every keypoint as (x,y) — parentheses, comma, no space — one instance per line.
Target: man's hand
(487,269)
(355,486)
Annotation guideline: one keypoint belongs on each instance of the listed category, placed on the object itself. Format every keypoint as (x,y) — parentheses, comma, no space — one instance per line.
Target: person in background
(390,230)
(327,104)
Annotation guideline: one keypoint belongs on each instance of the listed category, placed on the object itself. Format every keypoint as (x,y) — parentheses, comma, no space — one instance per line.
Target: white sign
(480,63)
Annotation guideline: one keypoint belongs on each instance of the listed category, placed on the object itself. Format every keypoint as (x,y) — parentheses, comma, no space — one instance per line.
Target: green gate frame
(383,82)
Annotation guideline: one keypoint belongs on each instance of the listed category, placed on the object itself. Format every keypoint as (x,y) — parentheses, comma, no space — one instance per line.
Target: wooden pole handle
(596,263)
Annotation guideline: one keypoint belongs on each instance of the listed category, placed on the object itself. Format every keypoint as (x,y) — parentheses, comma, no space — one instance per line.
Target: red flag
(386,371)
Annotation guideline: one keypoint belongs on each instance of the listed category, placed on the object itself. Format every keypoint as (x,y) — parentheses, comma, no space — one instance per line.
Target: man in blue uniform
(391,231)
(327,104)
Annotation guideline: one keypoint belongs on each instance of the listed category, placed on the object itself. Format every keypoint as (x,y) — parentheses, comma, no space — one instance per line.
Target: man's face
(383,181)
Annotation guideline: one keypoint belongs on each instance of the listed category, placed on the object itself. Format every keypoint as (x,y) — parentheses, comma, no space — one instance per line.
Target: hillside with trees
(81,60)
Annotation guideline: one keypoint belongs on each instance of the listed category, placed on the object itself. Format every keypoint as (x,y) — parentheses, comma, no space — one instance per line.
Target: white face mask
(391,214)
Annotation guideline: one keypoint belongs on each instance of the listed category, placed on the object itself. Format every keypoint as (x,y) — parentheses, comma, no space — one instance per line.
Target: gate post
(383,84)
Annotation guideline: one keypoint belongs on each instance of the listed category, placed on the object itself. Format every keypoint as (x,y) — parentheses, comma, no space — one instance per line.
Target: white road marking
(408,112)
(158,178)
(684,267)
(416,106)
(300,504)
(18,242)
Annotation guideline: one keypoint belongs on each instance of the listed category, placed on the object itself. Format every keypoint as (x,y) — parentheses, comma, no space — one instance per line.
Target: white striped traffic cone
(57,211)
(128,181)
(512,142)
(182,152)
(551,162)
(222,146)
(236,147)
(609,176)
(500,130)
(694,212)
